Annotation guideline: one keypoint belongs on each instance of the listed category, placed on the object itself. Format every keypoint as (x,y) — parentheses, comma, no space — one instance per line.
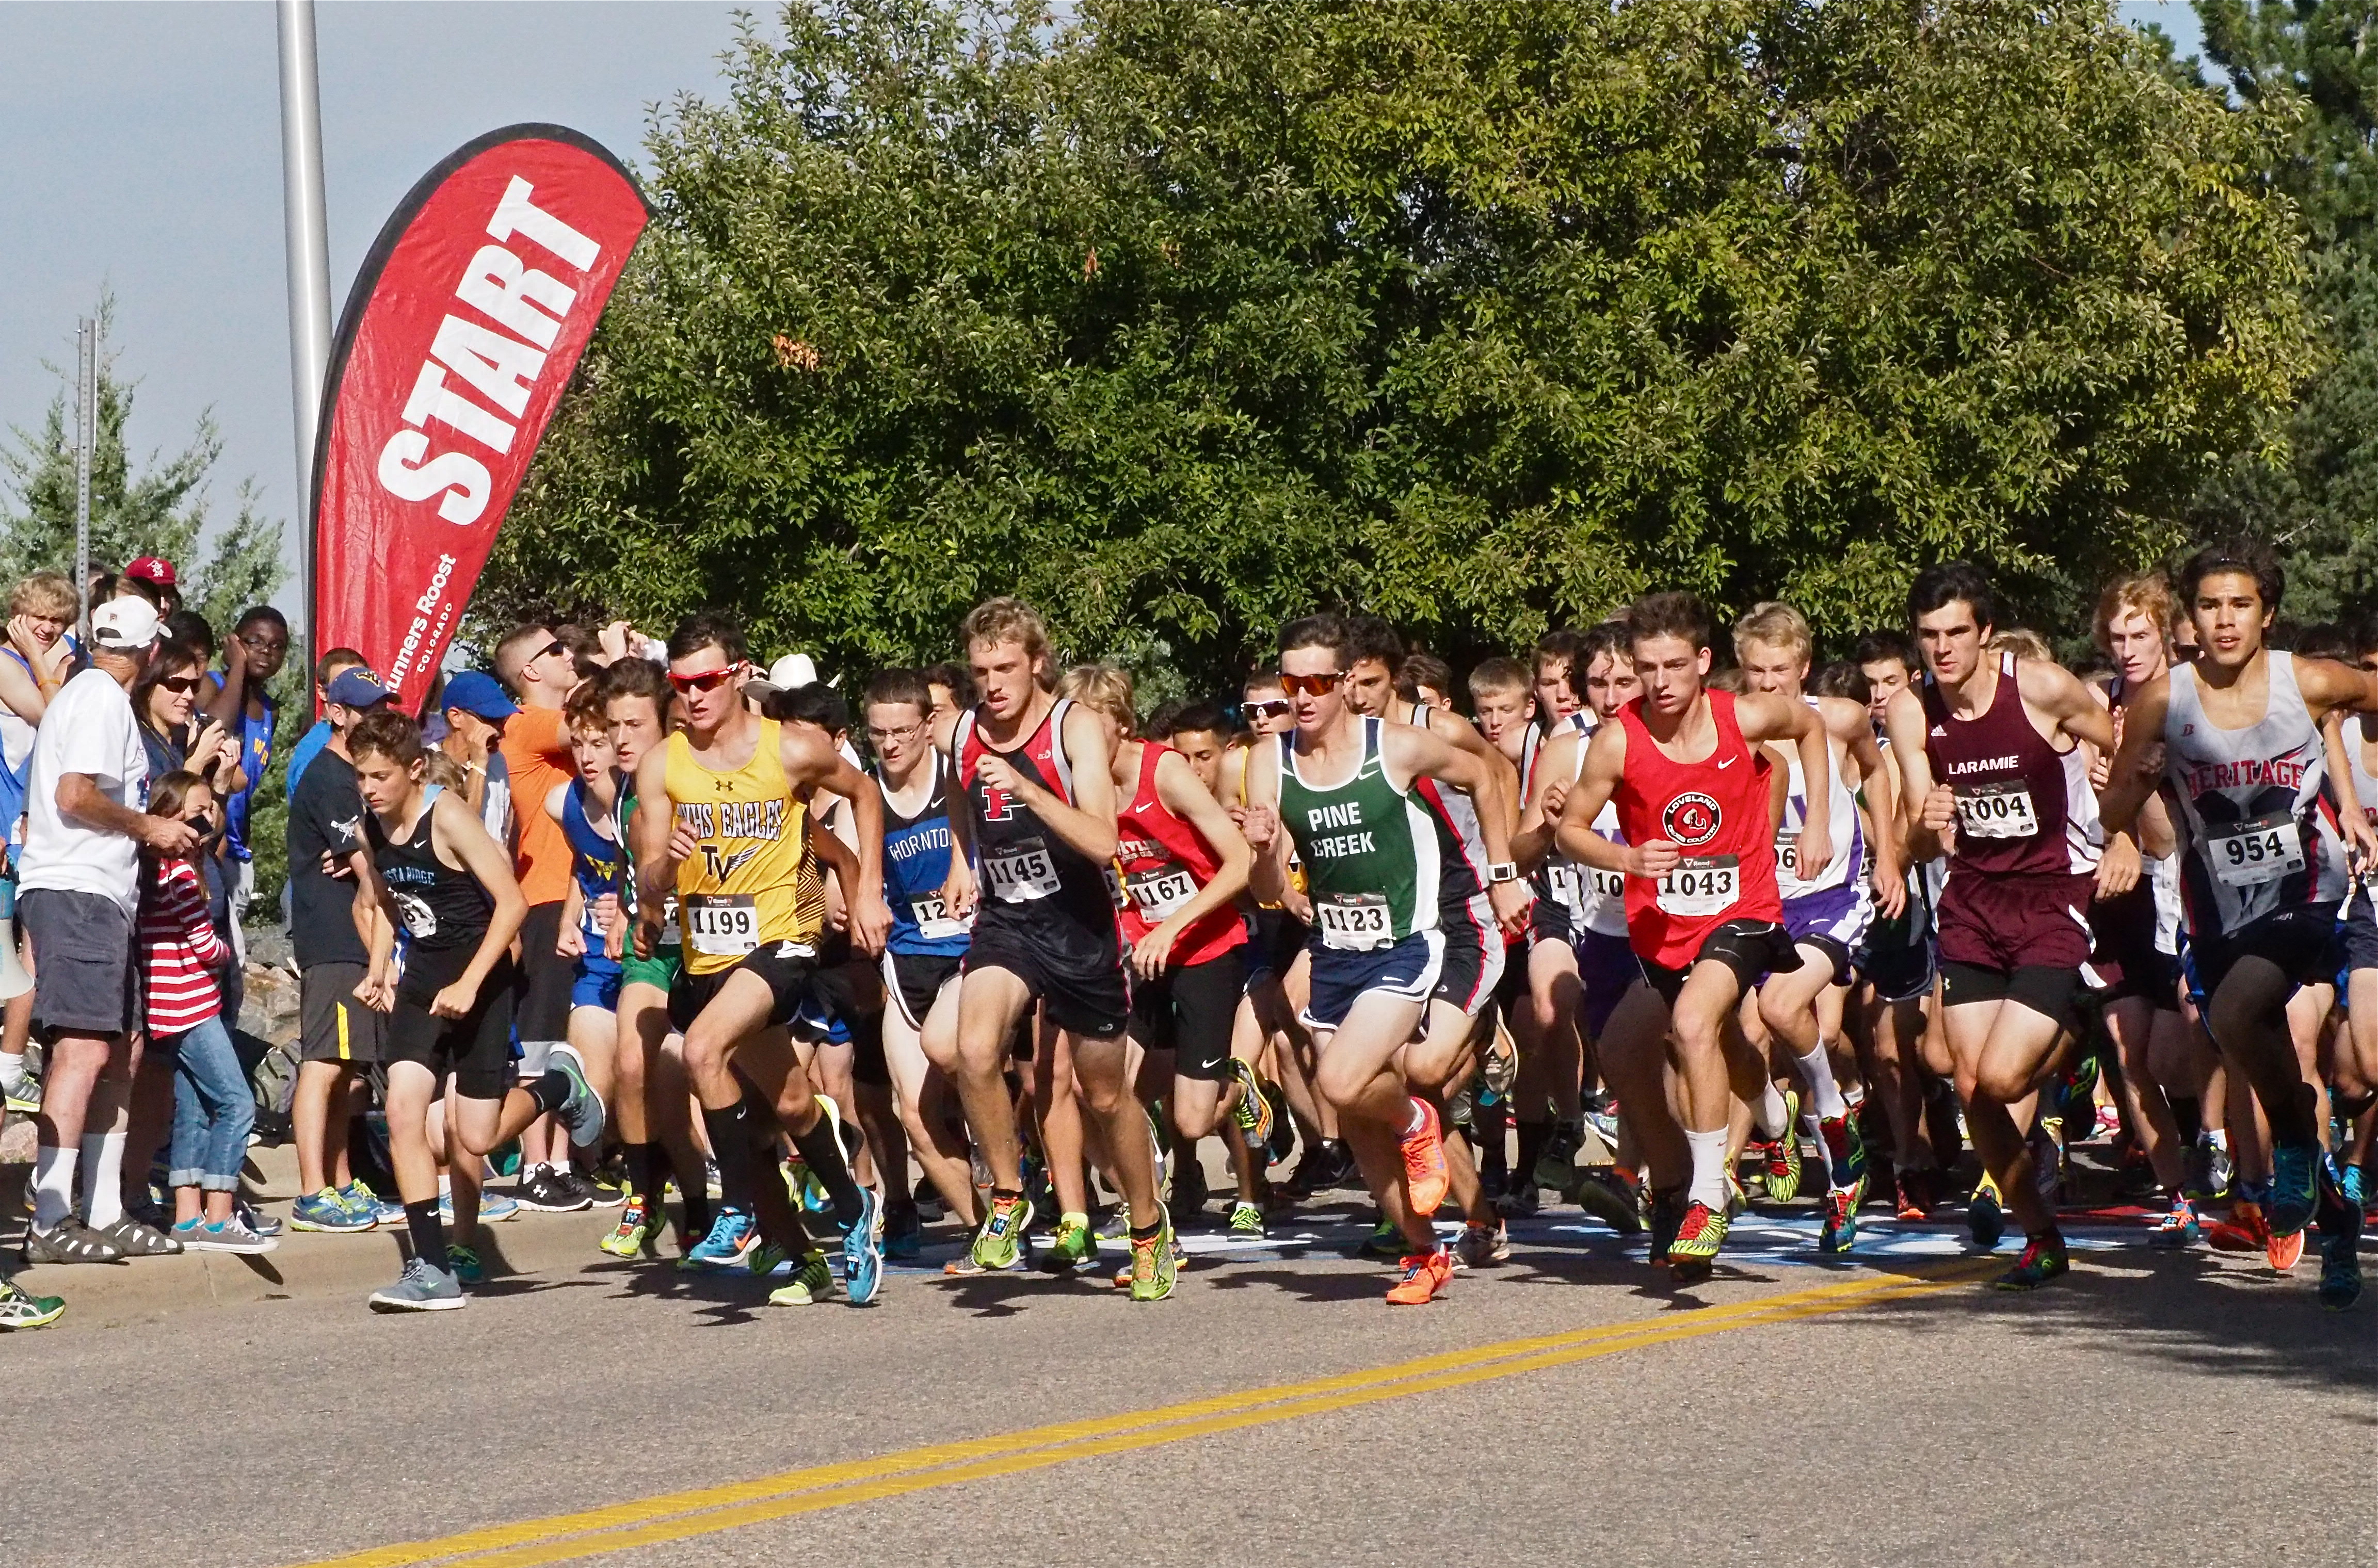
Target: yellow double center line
(706,1511)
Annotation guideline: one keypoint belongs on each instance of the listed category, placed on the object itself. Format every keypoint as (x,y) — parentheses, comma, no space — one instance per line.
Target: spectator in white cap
(79,890)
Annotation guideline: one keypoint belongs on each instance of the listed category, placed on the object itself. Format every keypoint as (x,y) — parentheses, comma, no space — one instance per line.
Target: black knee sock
(644,1186)
(2189,1112)
(823,1152)
(731,1144)
(552,1091)
(428,1234)
(1533,1135)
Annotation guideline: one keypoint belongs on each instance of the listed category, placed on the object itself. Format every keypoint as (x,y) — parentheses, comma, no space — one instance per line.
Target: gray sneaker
(583,1112)
(422,1287)
(70,1241)
(231,1236)
(139,1240)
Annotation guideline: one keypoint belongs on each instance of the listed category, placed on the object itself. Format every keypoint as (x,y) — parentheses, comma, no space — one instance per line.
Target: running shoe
(2044,1257)
(422,1288)
(1424,1277)
(494,1207)
(1667,1215)
(1522,1202)
(1604,1200)
(360,1199)
(1738,1202)
(1282,1141)
(1602,1115)
(1844,1156)
(904,1233)
(1253,1111)
(248,1214)
(1071,1247)
(732,1235)
(2340,1271)
(2209,1170)
(862,1250)
(1385,1241)
(607,1187)
(766,1258)
(225,1236)
(1155,1263)
(1985,1216)
(2284,1253)
(1247,1221)
(1115,1226)
(1424,1150)
(2244,1232)
(999,1245)
(2179,1227)
(1920,1191)
(963,1266)
(542,1190)
(803,1186)
(627,1239)
(1557,1162)
(1779,1169)
(583,1112)
(22,1309)
(2340,1223)
(325,1211)
(25,1099)
(1699,1233)
(1481,1244)
(463,1264)
(811,1283)
(1840,1229)
(2295,1186)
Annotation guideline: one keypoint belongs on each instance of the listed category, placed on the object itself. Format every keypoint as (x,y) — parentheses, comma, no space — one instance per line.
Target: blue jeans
(213,1107)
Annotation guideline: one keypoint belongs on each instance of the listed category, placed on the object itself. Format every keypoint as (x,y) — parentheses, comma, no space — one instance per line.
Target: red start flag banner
(456,342)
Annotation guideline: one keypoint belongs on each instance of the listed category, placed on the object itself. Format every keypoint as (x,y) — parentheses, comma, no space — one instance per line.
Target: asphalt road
(2150,1409)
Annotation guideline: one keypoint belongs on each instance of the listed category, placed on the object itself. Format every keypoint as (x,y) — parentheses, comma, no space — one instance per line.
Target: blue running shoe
(2295,1187)
(357,1195)
(325,1211)
(862,1252)
(494,1207)
(731,1236)
(1985,1216)
(904,1234)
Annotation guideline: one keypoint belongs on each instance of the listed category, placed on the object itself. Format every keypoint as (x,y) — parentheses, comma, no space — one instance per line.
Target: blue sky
(145,145)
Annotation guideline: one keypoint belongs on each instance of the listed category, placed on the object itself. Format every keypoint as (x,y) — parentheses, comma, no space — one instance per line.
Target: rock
(270,1012)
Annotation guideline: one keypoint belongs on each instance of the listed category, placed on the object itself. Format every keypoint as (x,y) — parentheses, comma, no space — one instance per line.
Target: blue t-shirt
(916,863)
(309,746)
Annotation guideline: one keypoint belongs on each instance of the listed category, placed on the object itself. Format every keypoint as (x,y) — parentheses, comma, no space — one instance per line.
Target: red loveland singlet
(1164,862)
(1715,811)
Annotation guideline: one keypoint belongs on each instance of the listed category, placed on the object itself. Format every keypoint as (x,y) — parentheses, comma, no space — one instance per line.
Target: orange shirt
(537,752)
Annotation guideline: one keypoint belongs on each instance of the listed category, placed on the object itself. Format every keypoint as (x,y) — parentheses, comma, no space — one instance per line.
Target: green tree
(163,510)
(2311,66)
(1484,314)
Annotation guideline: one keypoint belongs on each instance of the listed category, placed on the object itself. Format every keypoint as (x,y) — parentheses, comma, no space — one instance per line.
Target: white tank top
(1848,863)
(2257,815)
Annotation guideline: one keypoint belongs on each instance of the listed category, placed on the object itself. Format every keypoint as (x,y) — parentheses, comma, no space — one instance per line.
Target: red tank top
(1715,812)
(2024,807)
(1164,862)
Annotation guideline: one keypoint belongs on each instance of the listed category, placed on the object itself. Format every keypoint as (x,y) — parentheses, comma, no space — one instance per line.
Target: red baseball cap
(153,568)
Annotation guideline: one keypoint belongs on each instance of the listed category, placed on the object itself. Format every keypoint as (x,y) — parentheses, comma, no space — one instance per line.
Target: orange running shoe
(2244,1232)
(1425,1273)
(2284,1252)
(1425,1175)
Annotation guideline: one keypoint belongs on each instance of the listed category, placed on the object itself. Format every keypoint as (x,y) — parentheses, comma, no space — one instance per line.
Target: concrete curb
(306,1264)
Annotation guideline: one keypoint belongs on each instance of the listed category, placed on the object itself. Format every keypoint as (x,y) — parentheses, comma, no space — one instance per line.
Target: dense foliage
(1184,318)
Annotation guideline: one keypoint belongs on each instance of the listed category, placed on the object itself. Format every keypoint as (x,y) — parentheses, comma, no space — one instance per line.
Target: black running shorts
(1190,1012)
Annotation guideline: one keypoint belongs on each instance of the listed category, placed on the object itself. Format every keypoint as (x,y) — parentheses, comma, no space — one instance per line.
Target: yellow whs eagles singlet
(743,886)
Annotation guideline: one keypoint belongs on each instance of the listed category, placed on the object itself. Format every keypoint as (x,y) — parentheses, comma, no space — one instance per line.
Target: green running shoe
(999,1244)
(1072,1249)
(1253,1111)
(1247,1221)
(1385,1241)
(1154,1265)
(463,1264)
(2044,1259)
(21,1309)
(765,1258)
(627,1237)
(812,1282)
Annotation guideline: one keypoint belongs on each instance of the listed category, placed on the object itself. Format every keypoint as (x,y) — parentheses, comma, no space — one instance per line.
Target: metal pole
(310,270)
(86,436)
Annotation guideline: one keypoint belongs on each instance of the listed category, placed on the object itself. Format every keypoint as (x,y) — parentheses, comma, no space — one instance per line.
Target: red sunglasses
(708,680)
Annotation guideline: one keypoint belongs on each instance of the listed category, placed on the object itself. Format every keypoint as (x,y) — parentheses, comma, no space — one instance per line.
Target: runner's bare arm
(1087,823)
(1541,814)
(1503,797)
(1259,821)
(655,871)
(2130,778)
(808,758)
(1605,761)
(1765,716)
(2327,685)
(2058,693)
(375,915)
(2352,821)
(456,835)
(1932,810)
(1849,724)
(1178,787)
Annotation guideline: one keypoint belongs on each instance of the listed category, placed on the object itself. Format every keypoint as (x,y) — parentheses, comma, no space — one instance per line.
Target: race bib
(1788,857)
(1997,811)
(2264,850)
(1020,873)
(1354,922)
(932,917)
(1564,881)
(420,920)
(1160,892)
(722,925)
(1701,885)
(672,935)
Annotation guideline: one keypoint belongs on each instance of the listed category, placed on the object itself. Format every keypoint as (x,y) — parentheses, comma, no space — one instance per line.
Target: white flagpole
(310,270)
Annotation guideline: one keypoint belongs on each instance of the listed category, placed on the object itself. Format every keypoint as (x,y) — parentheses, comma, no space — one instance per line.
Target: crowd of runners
(1675,923)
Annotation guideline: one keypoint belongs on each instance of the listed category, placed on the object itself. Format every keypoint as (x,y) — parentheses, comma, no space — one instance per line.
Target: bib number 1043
(1701,886)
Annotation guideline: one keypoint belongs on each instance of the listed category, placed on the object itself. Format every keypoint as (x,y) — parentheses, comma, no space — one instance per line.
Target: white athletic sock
(12,1072)
(54,1186)
(561,1165)
(1769,1113)
(103,1199)
(1823,1093)
(1708,1168)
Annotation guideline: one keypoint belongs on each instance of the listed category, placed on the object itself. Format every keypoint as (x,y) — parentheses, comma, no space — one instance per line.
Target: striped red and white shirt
(179,950)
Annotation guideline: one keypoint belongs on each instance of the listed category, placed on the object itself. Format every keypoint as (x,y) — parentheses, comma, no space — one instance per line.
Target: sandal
(139,1240)
(70,1241)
